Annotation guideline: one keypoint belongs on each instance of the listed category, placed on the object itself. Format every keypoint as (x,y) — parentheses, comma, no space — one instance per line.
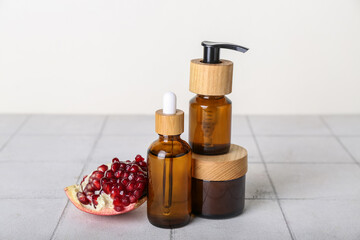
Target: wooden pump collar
(211,79)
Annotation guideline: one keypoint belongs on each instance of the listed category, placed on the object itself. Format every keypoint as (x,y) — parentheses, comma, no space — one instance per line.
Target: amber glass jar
(210,124)
(169,189)
(218,184)
(218,199)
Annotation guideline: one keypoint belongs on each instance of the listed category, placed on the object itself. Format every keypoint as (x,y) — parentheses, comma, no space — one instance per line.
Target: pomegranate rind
(71,194)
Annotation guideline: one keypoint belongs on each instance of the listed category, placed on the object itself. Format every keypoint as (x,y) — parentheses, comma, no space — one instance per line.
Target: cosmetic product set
(205,178)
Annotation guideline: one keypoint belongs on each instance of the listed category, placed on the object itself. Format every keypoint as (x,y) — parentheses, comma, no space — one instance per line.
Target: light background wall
(115,56)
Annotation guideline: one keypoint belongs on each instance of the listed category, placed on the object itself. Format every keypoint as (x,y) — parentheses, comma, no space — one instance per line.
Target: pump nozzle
(212,50)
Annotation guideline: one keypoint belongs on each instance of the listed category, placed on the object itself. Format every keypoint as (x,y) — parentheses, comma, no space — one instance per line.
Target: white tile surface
(133,225)
(48,148)
(261,219)
(29,218)
(302,149)
(240,126)
(122,147)
(316,181)
(323,220)
(131,125)
(37,180)
(257,182)
(62,125)
(344,125)
(248,142)
(288,125)
(352,144)
(10,123)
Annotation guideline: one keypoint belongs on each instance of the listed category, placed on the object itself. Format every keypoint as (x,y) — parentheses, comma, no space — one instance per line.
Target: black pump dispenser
(212,50)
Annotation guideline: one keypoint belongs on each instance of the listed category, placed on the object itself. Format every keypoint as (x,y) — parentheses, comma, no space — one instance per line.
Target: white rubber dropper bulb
(169,103)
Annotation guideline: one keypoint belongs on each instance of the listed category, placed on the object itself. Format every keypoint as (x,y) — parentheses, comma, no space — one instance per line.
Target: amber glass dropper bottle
(169,169)
(210,109)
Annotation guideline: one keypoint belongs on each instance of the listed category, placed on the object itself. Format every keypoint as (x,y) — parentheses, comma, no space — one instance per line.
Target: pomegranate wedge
(111,189)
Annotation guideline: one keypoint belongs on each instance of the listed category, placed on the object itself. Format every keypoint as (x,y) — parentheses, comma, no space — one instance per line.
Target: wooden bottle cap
(224,167)
(169,124)
(211,79)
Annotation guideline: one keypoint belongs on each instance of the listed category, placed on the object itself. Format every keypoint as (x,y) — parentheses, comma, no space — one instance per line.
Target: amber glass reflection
(169,189)
(210,124)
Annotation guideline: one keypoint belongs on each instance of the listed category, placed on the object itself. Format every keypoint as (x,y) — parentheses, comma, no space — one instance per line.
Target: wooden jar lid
(211,79)
(169,124)
(224,167)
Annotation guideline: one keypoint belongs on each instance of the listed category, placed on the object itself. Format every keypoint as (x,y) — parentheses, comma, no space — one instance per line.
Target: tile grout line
(81,173)
(339,141)
(15,132)
(172,234)
(270,180)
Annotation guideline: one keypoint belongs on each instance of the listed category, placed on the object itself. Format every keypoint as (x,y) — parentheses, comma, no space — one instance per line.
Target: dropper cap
(169,120)
(211,75)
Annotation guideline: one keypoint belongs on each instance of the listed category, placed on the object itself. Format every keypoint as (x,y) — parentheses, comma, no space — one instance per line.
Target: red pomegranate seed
(125,182)
(130,187)
(98,174)
(119,208)
(140,179)
(120,187)
(131,176)
(114,192)
(142,164)
(94,199)
(82,198)
(115,160)
(89,188)
(122,166)
(96,184)
(140,186)
(125,175)
(104,180)
(115,166)
(134,168)
(127,168)
(109,174)
(125,201)
(132,198)
(139,158)
(113,181)
(118,174)
(91,178)
(137,193)
(122,193)
(102,168)
(107,187)
(117,201)
(128,161)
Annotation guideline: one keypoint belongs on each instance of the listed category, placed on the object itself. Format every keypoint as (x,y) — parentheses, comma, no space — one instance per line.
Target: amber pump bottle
(169,169)
(210,109)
